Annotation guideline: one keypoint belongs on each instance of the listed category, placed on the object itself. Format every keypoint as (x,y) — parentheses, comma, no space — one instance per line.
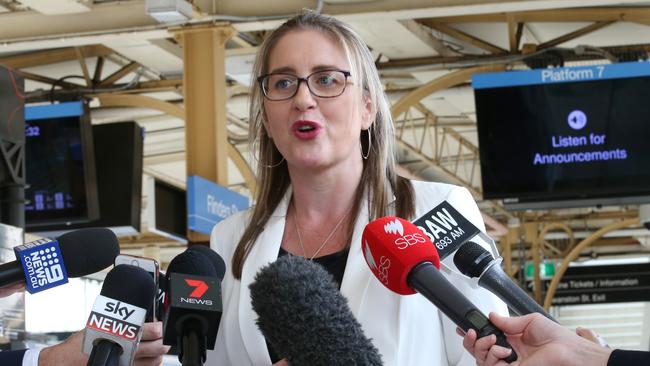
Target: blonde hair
(378,169)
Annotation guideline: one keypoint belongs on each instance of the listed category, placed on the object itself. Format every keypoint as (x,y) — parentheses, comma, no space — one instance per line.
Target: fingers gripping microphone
(47,263)
(405,261)
(476,262)
(114,327)
(306,319)
(193,304)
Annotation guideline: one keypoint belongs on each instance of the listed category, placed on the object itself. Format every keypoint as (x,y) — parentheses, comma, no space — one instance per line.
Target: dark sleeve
(12,358)
(621,357)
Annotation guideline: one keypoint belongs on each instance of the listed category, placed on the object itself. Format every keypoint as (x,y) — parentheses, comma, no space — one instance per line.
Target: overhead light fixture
(169,11)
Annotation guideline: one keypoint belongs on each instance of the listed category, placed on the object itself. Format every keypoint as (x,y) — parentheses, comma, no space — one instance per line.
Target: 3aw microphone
(476,262)
(114,327)
(193,304)
(47,263)
(447,228)
(405,261)
(305,318)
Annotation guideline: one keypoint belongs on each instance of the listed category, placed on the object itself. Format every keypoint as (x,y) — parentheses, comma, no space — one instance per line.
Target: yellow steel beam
(444,82)
(53,56)
(84,68)
(117,75)
(462,36)
(575,252)
(205,95)
(575,34)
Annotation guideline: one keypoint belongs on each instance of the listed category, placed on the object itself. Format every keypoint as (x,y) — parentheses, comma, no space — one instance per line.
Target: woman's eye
(326,80)
(283,84)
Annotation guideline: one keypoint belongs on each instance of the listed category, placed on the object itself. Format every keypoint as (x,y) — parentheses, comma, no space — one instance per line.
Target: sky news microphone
(114,327)
(306,319)
(47,263)
(193,305)
(405,261)
(476,262)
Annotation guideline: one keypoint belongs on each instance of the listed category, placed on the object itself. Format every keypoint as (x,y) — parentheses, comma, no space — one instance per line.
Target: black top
(621,357)
(334,264)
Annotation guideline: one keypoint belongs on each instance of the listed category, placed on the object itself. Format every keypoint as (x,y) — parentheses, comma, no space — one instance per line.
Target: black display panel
(118,162)
(60,166)
(565,137)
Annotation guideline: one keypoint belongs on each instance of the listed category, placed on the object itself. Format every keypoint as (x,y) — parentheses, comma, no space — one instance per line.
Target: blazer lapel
(264,251)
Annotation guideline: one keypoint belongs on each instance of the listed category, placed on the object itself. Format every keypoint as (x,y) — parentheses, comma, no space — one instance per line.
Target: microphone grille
(217,262)
(130,284)
(472,259)
(192,262)
(87,251)
(295,297)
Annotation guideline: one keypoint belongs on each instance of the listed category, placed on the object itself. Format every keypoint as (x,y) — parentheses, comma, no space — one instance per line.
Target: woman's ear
(368,112)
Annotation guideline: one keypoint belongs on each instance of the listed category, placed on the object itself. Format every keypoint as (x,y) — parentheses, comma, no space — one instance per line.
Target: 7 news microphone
(405,261)
(476,262)
(193,304)
(115,324)
(46,263)
(306,319)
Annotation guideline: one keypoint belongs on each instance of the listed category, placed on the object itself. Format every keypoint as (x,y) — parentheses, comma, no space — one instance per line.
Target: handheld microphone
(193,305)
(47,263)
(306,319)
(114,327)
(405,261)
(216,260)
(476,262)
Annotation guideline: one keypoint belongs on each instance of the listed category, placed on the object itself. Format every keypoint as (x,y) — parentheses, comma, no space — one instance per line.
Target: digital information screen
(55,164)
(565,133)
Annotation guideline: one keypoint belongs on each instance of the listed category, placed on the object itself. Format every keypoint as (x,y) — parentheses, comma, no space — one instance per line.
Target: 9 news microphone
(47,263)
(193,304)
(405,261)
(115,323)
(306,319)
(476,262)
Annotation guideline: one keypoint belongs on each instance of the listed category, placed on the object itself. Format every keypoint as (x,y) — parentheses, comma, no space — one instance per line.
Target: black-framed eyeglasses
(324,84)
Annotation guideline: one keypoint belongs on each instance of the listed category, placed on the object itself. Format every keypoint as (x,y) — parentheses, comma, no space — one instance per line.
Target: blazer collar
(264,251)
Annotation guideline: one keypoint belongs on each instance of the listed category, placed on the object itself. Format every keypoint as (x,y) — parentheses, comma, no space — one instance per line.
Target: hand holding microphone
(405,261)
(47,263)
(115,324)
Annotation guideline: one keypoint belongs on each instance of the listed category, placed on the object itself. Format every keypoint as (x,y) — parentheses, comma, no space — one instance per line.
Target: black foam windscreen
(305,318)
(192,262)
(471,259)
(87,251)
(130,284)
(217,261)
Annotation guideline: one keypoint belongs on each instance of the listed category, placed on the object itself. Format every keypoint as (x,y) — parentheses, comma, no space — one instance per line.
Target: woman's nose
(303,99)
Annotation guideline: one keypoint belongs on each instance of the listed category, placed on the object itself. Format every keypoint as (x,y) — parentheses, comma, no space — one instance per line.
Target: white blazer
(407,330)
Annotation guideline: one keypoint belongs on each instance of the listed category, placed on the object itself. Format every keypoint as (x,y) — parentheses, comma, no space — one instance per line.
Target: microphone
(115,323)
(193,304)
(476,262)
(405,261)
(216,260)
(306,319)
(47,263)
(447,228)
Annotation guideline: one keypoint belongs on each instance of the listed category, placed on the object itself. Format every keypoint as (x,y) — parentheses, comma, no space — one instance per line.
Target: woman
(325,138)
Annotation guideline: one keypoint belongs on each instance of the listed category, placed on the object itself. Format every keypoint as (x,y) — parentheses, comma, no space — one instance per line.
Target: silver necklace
(304,252)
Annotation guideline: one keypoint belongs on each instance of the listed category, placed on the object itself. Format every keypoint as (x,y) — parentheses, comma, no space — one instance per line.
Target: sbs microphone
(405,261)
(114,327)
(46,263)
(306,319)
(193,305)
(476,262)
